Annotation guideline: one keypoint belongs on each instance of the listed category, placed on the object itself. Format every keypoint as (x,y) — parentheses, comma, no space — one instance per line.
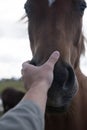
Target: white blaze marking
(51,2)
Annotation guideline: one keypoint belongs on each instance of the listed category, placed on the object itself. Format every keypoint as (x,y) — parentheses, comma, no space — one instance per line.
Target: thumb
(53,58)
(26,65)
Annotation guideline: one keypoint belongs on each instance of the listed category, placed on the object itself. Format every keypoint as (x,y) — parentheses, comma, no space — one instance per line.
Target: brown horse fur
(57,25)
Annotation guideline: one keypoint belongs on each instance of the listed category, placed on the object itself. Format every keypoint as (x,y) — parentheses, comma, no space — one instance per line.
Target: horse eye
(82,6)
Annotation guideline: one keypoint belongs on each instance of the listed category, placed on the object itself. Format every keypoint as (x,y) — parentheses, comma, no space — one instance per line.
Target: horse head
(57,25)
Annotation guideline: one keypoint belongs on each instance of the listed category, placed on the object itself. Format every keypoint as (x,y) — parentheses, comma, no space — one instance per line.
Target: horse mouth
(50,109)
(60,104)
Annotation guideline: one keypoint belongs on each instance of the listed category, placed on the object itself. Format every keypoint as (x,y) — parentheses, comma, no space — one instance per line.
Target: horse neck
(64,121)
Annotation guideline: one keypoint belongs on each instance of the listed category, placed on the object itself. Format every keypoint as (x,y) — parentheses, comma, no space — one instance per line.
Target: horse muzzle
(63,89)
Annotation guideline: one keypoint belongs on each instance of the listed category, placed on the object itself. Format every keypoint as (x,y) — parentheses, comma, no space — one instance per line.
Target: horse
(57,25)
(10,98)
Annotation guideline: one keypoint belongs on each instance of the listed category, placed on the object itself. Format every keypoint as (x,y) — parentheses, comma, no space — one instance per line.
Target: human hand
(36,74)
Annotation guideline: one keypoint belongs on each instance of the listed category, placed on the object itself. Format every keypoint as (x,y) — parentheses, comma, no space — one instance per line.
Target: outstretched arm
(37,80)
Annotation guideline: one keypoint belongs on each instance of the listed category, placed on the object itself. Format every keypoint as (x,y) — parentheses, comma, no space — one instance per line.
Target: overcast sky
(14,43)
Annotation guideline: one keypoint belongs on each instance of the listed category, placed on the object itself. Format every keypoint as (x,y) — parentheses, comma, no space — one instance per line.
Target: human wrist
(42,85)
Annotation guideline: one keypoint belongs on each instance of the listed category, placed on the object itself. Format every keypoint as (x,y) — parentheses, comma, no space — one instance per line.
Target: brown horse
(57,25)
(10,98)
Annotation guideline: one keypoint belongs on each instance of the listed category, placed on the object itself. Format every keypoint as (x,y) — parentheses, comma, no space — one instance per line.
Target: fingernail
(56,54)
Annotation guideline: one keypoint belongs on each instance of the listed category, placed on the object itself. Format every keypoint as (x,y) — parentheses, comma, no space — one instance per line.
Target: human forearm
(38,94)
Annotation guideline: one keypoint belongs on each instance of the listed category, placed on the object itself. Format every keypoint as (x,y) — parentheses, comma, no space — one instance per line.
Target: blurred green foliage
(14,83)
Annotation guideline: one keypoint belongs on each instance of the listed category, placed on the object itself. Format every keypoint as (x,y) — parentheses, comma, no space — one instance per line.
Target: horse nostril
(70,81)
(64,77)
(60,75)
